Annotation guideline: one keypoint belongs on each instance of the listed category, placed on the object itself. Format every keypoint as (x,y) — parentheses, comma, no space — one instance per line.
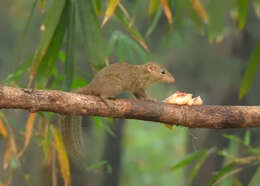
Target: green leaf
(179,6)
(249,75)
(78,82)
(154,22)
(58,79)
(132,56)
(247,137)
(17,74)
(62,56)
(42,5)
(50,24)
(14,162)
(97,165)
(137,48)
(216,10)
(103,125)
(226,169)
(233,138)
(201,159)
(131,28)
(49,60)
(24,36)
(111,43)
(70,46)
(254,151)
(97,6)
(153,6)
(225,153)
(233,4)
(196,19)
(255,180)
(188,160)
(100,164)
(125,48)
(243,6)
(92,33)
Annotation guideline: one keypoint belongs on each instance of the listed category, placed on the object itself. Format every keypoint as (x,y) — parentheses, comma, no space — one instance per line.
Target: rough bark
(188,116)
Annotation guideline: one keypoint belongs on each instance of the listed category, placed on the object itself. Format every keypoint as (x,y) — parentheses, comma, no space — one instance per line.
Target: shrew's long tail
(71,131)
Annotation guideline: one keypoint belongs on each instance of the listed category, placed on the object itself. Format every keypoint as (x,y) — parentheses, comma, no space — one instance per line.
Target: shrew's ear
(151,67)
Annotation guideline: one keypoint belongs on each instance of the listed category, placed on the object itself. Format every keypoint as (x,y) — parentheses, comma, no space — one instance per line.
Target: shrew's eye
(162,71)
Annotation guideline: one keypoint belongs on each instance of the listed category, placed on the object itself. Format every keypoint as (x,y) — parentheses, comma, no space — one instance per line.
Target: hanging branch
(217,117)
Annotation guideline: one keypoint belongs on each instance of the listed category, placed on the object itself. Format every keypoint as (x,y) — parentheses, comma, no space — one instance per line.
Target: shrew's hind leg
(140,94)
(108,91)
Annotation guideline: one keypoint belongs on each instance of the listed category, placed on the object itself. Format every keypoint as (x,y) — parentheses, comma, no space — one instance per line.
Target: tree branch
(188,116)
